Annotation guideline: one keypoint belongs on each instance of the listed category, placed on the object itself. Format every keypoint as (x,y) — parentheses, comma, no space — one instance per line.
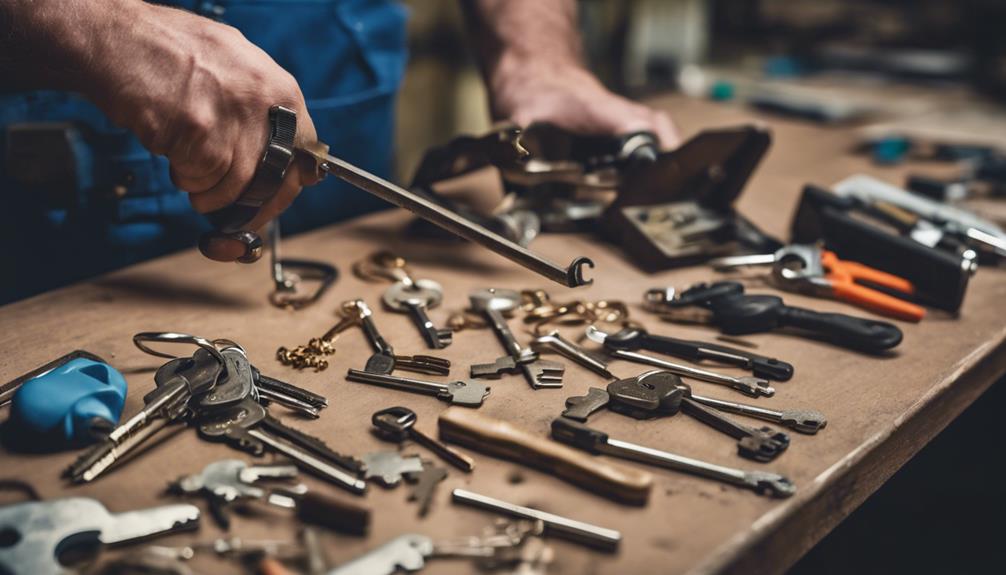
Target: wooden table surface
(881,411)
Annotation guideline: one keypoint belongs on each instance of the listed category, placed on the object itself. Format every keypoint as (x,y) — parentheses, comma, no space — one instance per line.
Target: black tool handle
(845,330)
(577,434)
(760,365)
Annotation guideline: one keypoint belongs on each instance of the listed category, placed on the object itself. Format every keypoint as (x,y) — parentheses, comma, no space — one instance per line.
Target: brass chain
(314,354)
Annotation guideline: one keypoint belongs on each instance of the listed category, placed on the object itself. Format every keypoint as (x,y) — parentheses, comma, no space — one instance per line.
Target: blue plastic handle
(75,403)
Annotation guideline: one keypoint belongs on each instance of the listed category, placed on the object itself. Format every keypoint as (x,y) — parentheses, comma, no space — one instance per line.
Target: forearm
(57,44)
(518,39)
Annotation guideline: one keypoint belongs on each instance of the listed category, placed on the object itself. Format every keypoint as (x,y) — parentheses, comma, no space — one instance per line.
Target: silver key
(595,441)
(405,552)
(803,420)
(243,425)
(748,385)
(414,299)
(42,528)
(539,373)
(388,467)
(555,342)
(467,393)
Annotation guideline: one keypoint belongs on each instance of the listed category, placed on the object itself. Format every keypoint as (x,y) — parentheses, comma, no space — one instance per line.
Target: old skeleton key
(280,153)
(384,361)
(398,423)
(539,373)
(414,298)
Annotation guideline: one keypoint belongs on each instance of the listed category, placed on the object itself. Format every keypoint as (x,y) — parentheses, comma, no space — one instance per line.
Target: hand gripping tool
(279,154)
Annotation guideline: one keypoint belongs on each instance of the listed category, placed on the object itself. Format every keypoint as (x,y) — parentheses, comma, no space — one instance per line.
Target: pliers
(809,269)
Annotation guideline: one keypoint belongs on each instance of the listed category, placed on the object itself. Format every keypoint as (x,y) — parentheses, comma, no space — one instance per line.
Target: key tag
(76,402)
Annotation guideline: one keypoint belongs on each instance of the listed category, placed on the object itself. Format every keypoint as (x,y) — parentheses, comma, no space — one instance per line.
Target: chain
(314,354)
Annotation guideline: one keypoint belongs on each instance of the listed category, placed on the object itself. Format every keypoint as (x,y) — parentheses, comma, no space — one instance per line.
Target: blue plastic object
(75,403)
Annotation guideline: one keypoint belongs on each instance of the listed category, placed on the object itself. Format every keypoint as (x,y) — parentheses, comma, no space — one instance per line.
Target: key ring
(172,337)
(384,265)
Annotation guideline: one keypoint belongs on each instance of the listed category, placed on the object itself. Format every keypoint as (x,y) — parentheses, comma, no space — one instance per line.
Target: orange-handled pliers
(810,269)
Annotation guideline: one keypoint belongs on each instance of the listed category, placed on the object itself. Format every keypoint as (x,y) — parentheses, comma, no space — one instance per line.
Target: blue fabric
(348,56)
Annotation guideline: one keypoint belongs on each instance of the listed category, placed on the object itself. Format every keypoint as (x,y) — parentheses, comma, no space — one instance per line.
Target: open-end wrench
(280,153)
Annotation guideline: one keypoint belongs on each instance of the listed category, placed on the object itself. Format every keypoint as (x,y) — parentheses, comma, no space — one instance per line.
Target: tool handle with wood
(505,440)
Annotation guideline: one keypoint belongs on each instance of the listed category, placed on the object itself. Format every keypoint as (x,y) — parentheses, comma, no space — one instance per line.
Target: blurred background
(826,60)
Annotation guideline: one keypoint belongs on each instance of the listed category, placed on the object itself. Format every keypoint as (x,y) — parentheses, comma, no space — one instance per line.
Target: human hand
(199,93)
(572,98)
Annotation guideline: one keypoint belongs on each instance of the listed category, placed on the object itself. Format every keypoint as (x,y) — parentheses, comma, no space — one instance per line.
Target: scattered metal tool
(492,303)
(569,529)
(289,275)
(750,386)
(636,338)
(39,531)
(580,408)
(425,484)
(811,270)
(594,441)
(280,153)
(399,423)
(725,305)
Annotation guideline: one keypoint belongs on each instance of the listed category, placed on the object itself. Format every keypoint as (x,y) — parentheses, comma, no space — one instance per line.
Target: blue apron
(347,55)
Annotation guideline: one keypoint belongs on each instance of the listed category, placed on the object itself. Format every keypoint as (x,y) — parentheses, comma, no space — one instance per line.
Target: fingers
(666,131)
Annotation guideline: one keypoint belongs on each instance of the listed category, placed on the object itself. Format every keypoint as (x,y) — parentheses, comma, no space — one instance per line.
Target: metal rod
(571,529)
(571,276)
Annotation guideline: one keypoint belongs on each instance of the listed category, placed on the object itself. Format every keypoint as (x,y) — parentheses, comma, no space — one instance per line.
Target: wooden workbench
(881,410)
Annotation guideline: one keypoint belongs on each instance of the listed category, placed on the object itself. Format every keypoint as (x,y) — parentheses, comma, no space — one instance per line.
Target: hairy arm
(191,89)
(531,57)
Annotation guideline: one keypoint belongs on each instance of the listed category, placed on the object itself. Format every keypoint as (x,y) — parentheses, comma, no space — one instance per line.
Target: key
(594,441)
(750,386)
(399,423)
(647,395)
(554,341)
(403,553)
(263,382)
(384,360)
(426,484)
(581,407)
(633,339)
(492,302)
(806,421)
(388,467)
(414,299)
(39,530)
(569,529)
(466,393)
(244,426)
(190,377)
(762,444)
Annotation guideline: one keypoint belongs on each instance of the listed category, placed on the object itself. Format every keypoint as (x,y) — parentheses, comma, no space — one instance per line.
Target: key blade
(804,421)
(133,525)
(770,484)
(467,393)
